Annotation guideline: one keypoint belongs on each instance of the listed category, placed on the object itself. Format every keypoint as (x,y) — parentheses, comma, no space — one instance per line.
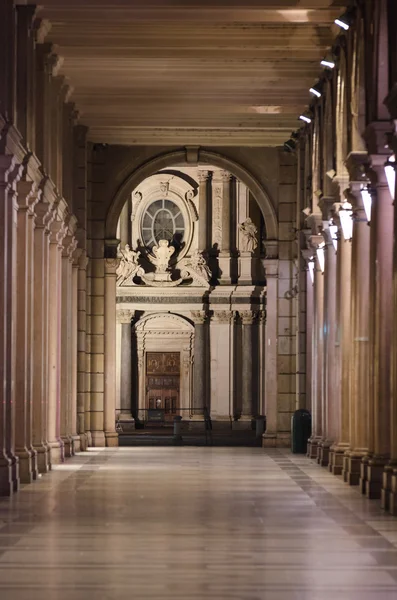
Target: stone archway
(189,157)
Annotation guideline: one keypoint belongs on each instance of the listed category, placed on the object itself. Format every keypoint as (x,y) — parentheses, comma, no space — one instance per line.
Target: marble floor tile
(194,523)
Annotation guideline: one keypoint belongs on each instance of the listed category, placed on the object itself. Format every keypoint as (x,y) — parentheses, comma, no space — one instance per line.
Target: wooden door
(162,385)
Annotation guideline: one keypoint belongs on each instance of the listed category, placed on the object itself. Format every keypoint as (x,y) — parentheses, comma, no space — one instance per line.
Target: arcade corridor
(162,523)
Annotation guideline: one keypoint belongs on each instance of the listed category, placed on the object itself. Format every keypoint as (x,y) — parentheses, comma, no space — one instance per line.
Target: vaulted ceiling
(225,72)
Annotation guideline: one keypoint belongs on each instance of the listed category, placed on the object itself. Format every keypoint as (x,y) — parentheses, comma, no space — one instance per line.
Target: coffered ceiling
(178,72)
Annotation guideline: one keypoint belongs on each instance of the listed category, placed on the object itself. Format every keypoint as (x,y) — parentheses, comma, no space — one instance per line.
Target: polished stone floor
(193,523)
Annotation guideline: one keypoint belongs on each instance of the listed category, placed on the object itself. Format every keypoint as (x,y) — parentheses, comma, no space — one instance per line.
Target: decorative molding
(111,266)
(223,316)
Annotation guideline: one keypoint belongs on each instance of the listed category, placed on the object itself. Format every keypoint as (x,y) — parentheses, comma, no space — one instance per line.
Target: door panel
(162,382)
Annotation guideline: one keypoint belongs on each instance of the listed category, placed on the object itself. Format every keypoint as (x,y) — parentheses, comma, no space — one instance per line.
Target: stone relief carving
(222,316)
(129,266)
(198,316)
(164,187)
(249,231)
(160,259)
(248,316)
(196,268)
(217,214)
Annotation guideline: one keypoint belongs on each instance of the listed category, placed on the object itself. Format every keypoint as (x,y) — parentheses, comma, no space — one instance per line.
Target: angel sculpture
(162,254)
(197,268)
(129,266)
(248,235)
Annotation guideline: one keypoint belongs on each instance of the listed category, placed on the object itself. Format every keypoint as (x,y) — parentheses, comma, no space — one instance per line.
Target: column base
(224,262)
(244,423)
(26,473)
(76,443)
(276,440)
(353,474)
(43,465)
(312,447)
(386,486)
(83,442)
(375,470)
(68,446)
(57,455)
(336,455)
(393,494)
(112,439)
(6,479)
(323,453)
(88,435)
(98,439)
(364,474)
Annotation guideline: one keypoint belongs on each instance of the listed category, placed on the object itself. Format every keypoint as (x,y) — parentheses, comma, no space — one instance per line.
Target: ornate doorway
(162,385)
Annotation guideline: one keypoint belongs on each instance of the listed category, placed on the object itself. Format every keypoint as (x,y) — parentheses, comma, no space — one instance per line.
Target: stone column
(343,354)
(69,246)
(200,364)
(360,367)
(271,353)
(317,354)
(111,435)
(389,491)
(247,409)
(224,256)
(39,371)
(74,349)
(203,225)
(221,365)
(55,442)
(24,280)
(382,316)
(330,432)
(124,317)
(9,478)
(262,363)
(81,350)
(125,225)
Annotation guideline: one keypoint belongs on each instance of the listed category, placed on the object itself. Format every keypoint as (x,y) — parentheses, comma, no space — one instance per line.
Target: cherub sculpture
(129,266)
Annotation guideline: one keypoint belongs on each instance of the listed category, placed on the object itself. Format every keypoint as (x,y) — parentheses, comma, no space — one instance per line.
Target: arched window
(162,220)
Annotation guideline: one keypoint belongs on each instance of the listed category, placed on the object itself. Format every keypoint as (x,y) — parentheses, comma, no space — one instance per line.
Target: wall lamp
(367,202)
(333,229)
(345,20)
(390,171)
(321,256)
(311,269)
(329,64)
(346,220)
(305,119)
(316,90)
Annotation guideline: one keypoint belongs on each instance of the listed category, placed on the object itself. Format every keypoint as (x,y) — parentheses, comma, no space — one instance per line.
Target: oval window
(162,220)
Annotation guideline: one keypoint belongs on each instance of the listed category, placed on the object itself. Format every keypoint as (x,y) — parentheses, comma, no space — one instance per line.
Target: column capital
(248,316)
(198,317)
(111,265)
(271,248)
(357,164)
(111,246)
(69,244)
(44,214)
(25,194)
(203,175)
(316,241)
(223,316)
(57,231)
(271,267)
(376,136)
(226,176)
(124,316)
(307,255)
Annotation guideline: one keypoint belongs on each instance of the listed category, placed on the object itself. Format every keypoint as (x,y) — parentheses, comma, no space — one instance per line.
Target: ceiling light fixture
(328,63)
(305,119)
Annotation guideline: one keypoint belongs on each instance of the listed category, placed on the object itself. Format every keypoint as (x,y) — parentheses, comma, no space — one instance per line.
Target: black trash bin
(301,430)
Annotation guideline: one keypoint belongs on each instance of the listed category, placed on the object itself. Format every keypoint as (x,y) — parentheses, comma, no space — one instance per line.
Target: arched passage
(181,157)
